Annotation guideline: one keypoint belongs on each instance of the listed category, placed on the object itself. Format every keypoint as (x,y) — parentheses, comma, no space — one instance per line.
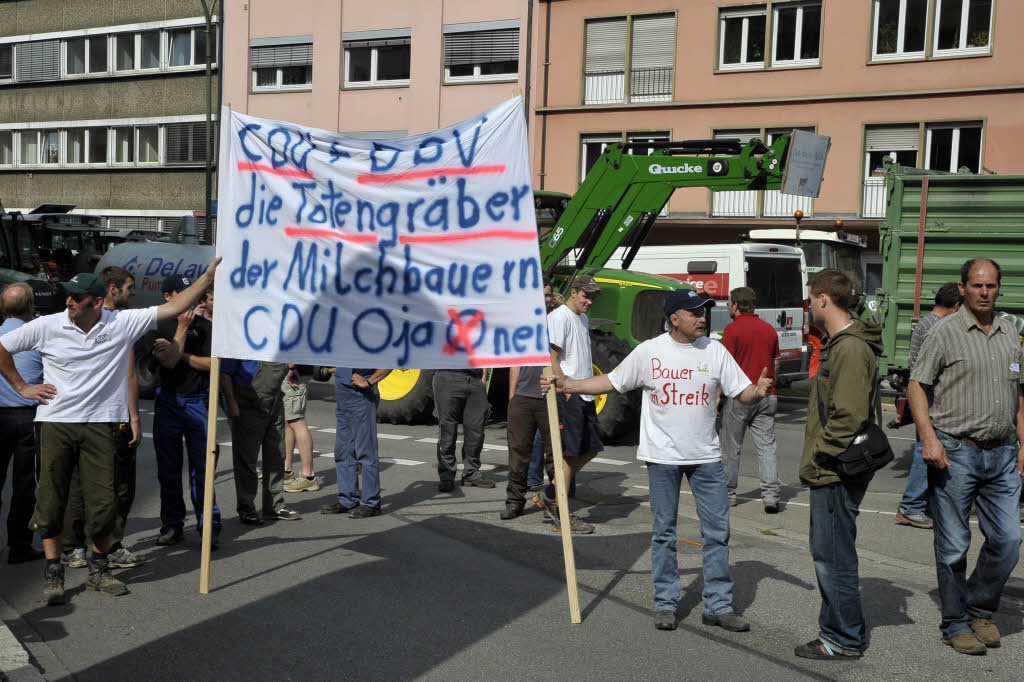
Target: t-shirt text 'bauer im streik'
(680,383)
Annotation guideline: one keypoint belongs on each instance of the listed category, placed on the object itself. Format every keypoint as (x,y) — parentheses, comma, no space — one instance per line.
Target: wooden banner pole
(211,470)
(561,495)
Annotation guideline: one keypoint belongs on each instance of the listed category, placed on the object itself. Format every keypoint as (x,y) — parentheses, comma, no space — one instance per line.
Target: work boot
(100,579)
(53,587)
(512,510)
(986,632)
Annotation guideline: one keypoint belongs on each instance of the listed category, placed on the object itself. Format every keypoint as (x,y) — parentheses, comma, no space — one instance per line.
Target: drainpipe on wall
(529,62)
(544,116)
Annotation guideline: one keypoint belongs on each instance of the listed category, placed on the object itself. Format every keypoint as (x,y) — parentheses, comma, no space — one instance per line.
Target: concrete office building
(936,83)
(380,69)
(102,106)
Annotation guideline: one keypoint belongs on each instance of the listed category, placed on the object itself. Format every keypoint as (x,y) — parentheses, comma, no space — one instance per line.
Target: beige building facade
(374,69)
(936,83)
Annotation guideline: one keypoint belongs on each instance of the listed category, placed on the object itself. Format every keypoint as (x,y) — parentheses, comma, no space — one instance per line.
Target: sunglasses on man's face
(78,298)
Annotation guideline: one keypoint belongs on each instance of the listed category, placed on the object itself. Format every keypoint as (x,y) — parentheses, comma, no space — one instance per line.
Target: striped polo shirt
(975,377)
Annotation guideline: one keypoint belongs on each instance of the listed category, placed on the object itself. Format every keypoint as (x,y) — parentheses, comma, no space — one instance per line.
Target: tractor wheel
(407,397)
(617,413)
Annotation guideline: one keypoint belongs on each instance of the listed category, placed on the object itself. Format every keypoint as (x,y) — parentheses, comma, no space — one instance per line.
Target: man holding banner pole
(680,373)
(85,357)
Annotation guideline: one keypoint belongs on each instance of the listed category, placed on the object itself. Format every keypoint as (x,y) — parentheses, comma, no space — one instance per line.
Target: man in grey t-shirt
(527,412)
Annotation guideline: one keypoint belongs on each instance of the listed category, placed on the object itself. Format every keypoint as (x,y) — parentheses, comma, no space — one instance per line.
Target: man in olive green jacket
(846,385)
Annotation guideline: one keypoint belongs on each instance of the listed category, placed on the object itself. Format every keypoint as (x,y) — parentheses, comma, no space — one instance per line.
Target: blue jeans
(536,471)
(833,540)
(355,445)
(989,479)
(707,481)
(176,418)
(915,495)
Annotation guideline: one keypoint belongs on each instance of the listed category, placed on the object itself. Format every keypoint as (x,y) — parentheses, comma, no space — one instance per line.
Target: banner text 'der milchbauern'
(413,252)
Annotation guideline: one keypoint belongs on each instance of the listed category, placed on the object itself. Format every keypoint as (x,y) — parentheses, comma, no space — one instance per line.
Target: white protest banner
(418,252)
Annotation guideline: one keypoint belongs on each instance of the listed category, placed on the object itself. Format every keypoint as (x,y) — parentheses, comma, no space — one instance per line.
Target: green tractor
(615,206)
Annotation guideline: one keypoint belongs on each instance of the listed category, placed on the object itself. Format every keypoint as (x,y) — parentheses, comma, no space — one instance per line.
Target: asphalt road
(437,587)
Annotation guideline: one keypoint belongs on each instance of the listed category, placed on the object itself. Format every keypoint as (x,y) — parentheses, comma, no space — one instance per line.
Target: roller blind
(890,138)
(654,41)
(606,45)
(38,60)
(481,47)
(281,55)
(186,142)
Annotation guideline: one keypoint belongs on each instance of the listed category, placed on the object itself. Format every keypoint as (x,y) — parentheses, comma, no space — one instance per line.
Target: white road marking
(488,446)
(328,430)
(426,440)
(392,436)
(605,460)
(402,462)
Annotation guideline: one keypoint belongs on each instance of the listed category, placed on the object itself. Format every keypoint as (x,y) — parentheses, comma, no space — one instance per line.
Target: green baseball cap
(85,283)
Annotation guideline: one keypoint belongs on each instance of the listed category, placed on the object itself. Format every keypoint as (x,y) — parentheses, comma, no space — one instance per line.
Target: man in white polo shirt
(82,404)
(680,373)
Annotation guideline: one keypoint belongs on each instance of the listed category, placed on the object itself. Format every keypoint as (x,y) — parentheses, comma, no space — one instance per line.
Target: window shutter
(481,47)
(606,45)
(654,41)
(385,42)
(6,54)
(39,60)
(890,138)
(186,142)
(281,55)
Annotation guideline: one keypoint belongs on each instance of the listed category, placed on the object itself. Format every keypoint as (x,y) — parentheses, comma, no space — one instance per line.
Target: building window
(962,26)
(85,55)
(86,145)
(650,63)
(187,47)
(185,143)
(952,146)
(741,38)
(6,62)
(899,29)
(382,62)
(481,55)
(740,203)
(796,34)
(591,148)
(282,63)
(38,60)
(40,147)
(6,148)
(779,205)
(901,143)
(605,66)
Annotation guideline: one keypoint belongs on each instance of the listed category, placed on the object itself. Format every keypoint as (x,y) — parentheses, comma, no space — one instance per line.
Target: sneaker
(733,500)
(300,484)
(122,558)
(986,632)
(966,643)
(536,487)
(21,554)
(74,558)
(285,514)
(576,527)
(665,620)
(771,507)
(512,510)
(363,512)
(547,504)
(171,536)
(906,518)
(53,588)
(336,508)
(289,476)
(820,651)
(100,579)
(478,481)
(445,486)
(726,621)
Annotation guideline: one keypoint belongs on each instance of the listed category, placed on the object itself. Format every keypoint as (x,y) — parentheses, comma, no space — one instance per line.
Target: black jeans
(459,398)
(525,416)
(18,444)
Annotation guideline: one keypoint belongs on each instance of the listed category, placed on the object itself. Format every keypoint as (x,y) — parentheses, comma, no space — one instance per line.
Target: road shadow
(746,577)
(1009,618)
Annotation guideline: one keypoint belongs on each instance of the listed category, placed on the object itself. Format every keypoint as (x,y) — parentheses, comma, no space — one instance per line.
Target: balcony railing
(779,205)
(649,84)
(734,204)
(744,204)
(874,198)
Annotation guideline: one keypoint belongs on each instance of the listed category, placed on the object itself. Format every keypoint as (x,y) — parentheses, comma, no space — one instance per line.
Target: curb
(15,662)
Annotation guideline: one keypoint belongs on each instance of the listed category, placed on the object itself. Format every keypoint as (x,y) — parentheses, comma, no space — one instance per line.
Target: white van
(776,272)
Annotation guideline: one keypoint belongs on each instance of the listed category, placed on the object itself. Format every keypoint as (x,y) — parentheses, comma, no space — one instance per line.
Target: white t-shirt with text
(89,371)
(571,333)
(680,382)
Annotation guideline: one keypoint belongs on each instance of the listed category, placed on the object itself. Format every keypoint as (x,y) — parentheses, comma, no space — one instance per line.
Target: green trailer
(933,223)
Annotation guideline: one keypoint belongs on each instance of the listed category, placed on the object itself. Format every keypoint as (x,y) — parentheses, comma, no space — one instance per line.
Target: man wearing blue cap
(681,372)
(182,348)
(81,406)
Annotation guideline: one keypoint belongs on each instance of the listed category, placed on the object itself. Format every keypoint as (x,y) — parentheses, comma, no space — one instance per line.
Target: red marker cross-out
(462,332)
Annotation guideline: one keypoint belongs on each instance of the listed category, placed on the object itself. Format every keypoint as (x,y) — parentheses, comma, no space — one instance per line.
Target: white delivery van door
(778,281)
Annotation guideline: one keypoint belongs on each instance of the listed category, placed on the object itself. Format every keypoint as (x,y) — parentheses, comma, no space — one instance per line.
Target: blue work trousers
(355,445)
(177,419)
(915,495)
(989,480)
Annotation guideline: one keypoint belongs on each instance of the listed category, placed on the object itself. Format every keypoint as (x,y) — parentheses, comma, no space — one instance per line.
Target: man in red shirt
(755,345)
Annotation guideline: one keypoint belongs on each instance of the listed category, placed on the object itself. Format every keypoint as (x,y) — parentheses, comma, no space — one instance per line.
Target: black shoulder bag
(870,450)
